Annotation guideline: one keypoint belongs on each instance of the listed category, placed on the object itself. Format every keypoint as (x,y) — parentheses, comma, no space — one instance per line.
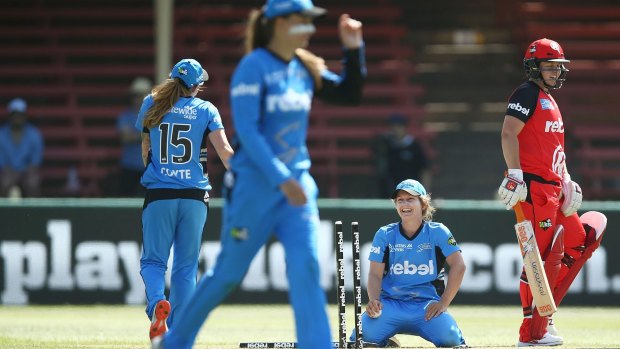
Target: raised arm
(346,88)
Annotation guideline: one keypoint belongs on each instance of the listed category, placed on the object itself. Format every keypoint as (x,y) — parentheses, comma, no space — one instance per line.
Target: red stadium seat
(598,160)
(74,63)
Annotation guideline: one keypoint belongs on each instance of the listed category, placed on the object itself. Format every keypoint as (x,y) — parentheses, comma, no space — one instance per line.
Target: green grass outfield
(124,327)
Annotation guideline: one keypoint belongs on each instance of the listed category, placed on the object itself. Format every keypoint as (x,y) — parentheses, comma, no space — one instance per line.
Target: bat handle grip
(519,212)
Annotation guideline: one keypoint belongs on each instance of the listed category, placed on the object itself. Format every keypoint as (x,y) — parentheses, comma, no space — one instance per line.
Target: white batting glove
(572,196)
(512,189)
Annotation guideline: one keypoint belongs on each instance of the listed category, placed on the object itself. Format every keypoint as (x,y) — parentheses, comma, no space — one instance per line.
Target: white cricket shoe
(548,340)
(550,328)
(156,342)
(393,343)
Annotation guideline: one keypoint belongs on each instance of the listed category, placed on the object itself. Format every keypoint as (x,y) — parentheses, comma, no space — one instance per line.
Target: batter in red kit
(539,181)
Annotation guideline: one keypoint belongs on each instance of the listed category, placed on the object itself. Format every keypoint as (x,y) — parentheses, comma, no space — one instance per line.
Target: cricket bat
(534,268)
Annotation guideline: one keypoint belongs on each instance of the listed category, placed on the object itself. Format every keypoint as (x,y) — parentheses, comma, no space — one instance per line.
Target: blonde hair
(165,95)
(314,64)
(427,208)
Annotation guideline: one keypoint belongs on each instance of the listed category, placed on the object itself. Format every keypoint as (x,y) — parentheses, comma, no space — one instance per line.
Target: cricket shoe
(156,343)
(393,343)
(158,324)
(548,340)
(550,328)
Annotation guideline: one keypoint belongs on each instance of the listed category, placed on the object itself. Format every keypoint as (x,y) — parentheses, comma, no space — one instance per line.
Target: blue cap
(275,8)
(411,186)
(190,72)
(397,119)
(17,105)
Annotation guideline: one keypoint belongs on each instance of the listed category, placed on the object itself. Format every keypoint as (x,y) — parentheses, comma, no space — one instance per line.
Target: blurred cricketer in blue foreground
(273,193)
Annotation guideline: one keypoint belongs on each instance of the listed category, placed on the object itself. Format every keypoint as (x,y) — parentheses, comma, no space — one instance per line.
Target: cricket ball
(376,315)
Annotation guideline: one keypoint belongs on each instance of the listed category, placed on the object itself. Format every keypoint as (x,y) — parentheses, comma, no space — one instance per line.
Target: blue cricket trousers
(407,317)
(170,223)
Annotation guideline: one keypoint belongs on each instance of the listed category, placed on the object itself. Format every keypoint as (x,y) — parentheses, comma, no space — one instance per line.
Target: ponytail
(314,64)
(165,96)
(259,30)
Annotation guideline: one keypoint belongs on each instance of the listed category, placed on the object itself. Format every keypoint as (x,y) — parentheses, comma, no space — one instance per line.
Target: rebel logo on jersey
(290,101)
(554,126)
(410,268)
(519,108)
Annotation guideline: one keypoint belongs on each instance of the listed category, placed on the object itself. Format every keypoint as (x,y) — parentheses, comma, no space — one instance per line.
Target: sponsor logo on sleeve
(375,249)
(451,241)
(245,90)
(519,108)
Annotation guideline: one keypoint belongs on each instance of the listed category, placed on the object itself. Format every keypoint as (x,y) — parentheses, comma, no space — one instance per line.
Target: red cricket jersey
(541,142)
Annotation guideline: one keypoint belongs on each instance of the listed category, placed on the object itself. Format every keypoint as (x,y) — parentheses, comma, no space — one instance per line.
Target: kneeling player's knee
(451,338)
(371,338)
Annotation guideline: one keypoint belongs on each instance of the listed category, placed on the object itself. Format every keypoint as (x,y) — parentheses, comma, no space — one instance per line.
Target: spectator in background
(21,152)
(132,166)
(399,156)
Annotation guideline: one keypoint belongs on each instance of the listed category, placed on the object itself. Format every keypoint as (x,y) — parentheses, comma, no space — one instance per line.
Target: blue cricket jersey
(271,100)
(411,265)
(19,156)
(176,142)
